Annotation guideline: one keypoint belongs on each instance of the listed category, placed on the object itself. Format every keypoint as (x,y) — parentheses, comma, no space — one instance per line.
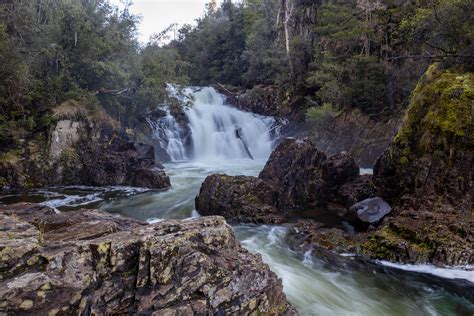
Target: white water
(169,135)
(213,129)
(213,126)
(313,285)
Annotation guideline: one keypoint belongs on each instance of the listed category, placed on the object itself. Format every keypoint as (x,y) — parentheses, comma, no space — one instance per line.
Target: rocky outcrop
(84,148)
(90,262)
(296,178)
(355,132)
(426,175)
(427,172)
(117,163)
(295,170)
(238,199)
(263,100)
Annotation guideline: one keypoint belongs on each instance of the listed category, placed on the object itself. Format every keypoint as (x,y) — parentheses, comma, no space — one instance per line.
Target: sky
(158,14)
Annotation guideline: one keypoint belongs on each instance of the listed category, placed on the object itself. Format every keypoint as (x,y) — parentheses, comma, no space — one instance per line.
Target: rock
(294,169)
(296,178)
(371,210)
(361,188)
(50,264)
(353,131)
(339,169)
(150,177)
(130,164)
(238,199)
(427,175)
(84,148)
(263,100)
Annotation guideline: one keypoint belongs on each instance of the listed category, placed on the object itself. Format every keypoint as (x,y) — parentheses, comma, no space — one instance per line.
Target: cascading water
(169,134)
(218,132)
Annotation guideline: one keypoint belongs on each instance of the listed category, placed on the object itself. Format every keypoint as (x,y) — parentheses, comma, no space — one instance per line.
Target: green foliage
(444,27)
(214,48)
(321,114)
(348,53)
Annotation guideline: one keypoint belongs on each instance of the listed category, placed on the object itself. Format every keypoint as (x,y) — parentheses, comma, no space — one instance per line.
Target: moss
(440,115)
(26,304)
(392,242)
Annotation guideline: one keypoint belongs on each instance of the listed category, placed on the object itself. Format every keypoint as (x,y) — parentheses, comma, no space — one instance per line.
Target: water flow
(170,135)
(221,132)
(218,132)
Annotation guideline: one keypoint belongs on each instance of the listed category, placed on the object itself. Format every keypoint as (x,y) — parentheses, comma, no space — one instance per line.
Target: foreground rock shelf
(91,262)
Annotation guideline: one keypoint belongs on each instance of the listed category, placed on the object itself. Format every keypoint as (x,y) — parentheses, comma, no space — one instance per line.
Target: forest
(322,56)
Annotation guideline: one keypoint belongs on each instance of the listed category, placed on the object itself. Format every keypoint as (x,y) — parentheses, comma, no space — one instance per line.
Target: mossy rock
(440,115)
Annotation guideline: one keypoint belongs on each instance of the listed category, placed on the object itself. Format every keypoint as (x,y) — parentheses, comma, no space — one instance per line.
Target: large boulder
(296,178)
(90,262)
(295,170)
(129,163)
(355,190)
(238,199)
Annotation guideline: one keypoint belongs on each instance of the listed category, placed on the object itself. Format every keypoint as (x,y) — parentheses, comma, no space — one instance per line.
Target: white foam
(154,220)
(463,272)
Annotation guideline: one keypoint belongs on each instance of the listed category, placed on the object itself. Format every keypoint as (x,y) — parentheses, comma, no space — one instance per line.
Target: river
(315,284)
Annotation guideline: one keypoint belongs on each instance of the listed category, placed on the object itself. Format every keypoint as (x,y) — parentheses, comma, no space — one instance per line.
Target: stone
(371,210)
(294,169)
(84,148)
(339,169)
(358,189)
(238,199)
(51,264)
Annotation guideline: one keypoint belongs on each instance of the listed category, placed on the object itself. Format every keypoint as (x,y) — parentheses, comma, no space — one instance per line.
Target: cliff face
(352,131)
(427,172)
(85,146)
(90,262)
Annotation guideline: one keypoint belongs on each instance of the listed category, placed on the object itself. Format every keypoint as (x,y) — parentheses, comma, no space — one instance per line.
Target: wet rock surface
(296,178)
(295,171)
(90,262)
(426,176)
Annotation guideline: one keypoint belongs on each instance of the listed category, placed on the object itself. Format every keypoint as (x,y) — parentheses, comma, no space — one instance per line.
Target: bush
(321,115)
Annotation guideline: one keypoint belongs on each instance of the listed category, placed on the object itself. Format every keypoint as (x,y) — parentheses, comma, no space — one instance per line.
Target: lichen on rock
(97,263)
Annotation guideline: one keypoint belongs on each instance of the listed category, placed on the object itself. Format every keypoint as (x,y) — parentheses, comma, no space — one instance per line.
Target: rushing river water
(322,284)
(315,287)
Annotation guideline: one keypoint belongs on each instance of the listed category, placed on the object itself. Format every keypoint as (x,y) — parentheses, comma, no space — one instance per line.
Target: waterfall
(218,131)
(169,135)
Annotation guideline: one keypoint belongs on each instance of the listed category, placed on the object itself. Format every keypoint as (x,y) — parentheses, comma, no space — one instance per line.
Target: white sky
(158,14)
